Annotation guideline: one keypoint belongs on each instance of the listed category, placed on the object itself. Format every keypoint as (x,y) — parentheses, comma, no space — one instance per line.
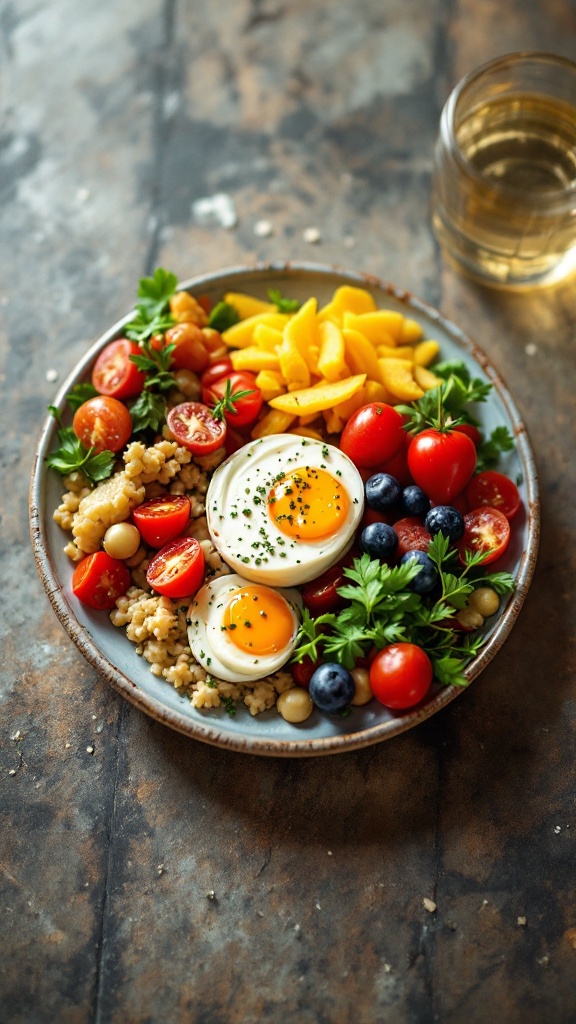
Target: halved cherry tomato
(194,426)
(302,671)
(471,431)
(162,519)
(412,535)
(99,580)
(494,489)
(115,374)
(220,369)
(177,570)
(191,351)
(400,675)
(247,407)
(441,463)
(485,529)
(102,423)
(321,595)
(372,435)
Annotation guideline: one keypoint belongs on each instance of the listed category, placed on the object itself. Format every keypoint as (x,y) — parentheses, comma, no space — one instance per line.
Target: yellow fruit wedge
(396,376)
(248,305)
(241,335)
(324,395)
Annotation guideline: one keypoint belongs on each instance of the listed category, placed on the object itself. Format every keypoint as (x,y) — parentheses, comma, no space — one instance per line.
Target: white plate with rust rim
(115,658)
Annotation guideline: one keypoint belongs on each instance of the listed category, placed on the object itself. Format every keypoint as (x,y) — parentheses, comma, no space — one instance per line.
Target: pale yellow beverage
(504,190)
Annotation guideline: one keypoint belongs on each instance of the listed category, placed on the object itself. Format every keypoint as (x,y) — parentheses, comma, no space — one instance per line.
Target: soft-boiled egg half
(284,508)
(240,631)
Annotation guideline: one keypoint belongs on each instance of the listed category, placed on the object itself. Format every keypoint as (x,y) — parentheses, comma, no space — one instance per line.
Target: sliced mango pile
(328,362)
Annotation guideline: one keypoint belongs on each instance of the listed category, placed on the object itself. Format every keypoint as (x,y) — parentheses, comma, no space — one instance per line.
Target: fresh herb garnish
(148,411)
(223,316)
(228,400)
(72,456)
(444,406)
(153,310)
(383,610)
(488,453)
(80,393)
(282,303)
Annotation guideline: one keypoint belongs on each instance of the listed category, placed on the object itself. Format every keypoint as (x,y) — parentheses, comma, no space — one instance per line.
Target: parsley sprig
(153,310)
(383,610)
(444,406)
(282,303)
(148,411)
(72,456)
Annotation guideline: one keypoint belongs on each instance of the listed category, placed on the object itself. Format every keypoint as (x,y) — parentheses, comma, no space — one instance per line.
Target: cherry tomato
(441,463)
(234,440)
(373,434)
(320,595)
(247,407)
(194,426)
(400,675)
(494,489)
(115,374)
(162,519)
(485,529)
(191,351)
(397,466)
(177,570)
(102,423)
(223,368)
(471,431)
(99,580)
(302,671)
(412,535)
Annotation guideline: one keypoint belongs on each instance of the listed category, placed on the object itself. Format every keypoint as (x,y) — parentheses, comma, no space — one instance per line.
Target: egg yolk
(308,504)
(258,620)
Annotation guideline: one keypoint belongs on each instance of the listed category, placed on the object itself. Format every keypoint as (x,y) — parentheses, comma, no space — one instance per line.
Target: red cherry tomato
(194,426)
(223,368)
(247,407)
(485,529)
(302,671)
(494,489)
(320,595)
(372,435)
(102,423)
(441,463)
(234,440)
(191,351)
(115,374)
(412,535)
(397,466)
(471,431)
(177,570)
(400,675)
(99,580)
(162,519)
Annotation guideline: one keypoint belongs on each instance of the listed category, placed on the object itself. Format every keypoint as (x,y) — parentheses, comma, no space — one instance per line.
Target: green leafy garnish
(228,400)
(488,453)
(282,303)
(148,411)
(80,393)
(444,406)
(73,456)
(383,610)
(153,310)
(223,316)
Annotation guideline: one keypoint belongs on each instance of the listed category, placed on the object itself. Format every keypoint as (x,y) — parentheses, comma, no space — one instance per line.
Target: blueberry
(426,580)
(414,502)
(379,540)
(447,520)
(331,687)
(382,491)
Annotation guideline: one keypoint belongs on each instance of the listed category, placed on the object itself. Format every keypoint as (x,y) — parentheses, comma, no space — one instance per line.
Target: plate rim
(205,730)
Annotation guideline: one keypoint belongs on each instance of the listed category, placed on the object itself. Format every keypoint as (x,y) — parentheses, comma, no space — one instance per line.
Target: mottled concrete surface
(115,118)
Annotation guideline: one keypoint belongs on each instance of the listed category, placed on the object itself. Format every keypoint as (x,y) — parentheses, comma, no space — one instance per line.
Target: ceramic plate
(115,658)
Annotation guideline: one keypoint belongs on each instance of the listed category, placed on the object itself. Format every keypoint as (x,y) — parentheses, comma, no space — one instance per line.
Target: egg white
(211,645)
(237,512)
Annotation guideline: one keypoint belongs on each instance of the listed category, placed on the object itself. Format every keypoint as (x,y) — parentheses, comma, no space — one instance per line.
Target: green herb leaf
(283,304)
(500,440)
(148,412)
(80,393)
(73,456)
(152,311)
(223,316)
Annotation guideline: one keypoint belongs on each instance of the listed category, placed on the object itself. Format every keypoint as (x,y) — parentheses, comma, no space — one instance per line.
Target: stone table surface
(115,119)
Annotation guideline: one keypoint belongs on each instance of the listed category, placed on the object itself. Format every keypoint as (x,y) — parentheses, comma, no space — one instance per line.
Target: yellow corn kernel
(324,395)
(425,378)
(267,338)
(411,332)
(396,376)
(271,384)
(248,305)
(241,335)
(360,353)
(331,362)
(426,352)
(274,422)
(254,358)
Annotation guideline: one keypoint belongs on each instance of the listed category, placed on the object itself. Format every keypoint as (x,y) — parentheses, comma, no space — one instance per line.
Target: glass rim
(447,120)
